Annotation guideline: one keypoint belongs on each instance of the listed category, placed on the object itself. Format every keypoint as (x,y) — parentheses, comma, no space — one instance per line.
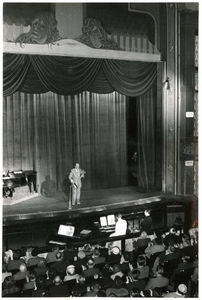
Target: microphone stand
(70,197)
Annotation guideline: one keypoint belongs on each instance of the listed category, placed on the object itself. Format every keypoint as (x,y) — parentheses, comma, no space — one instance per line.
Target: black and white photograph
(100,149)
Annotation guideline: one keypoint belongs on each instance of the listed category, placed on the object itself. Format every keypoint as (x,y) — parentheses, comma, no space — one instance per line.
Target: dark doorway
(132,140)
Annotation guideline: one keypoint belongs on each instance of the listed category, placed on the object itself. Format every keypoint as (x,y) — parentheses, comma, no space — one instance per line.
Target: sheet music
(66,230)
(111,220)
(103,221)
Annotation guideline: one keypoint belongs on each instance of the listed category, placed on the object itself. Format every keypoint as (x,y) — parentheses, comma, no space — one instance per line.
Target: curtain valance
(36,74)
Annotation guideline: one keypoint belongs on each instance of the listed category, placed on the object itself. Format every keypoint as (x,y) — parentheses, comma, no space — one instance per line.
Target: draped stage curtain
(36,74)
(59,110)
(146,141)
(49,133)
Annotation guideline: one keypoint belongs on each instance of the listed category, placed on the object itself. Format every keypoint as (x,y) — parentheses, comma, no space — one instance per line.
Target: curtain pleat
(64,75)
(69,76)
(48,133)
(130,78)
(15,68)
(146,141)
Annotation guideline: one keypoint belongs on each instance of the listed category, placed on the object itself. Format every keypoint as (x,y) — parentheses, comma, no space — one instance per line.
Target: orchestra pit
(100,150)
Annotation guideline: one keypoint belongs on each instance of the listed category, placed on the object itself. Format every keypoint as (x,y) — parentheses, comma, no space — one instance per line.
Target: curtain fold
(15,69)
(64,75)
(69,76)
(146,141)
(48,133)
(130,78)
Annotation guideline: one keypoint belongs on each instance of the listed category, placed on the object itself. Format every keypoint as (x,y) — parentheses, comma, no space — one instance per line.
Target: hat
(88,249)
(70,267)
(70,270)
(115,250)
(90,262)
(81,254)
(182,288)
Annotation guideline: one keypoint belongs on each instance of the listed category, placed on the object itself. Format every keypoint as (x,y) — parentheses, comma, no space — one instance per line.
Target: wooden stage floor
(91,201)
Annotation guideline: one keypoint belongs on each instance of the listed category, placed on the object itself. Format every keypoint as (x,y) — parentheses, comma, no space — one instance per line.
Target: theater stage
(92,201)
(32,220)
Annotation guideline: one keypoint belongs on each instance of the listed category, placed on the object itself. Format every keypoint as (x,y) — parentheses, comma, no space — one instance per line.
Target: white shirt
(121,226)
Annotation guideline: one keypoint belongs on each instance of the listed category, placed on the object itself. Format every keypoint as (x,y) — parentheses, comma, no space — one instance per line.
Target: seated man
(141,266)
(15,261)
(71,274)
(51,255)
(141,243)
(116,271)
(59,289)
(180,293)
(159,280)
(118,290)
(60,265)
(9,287)
(134,281)
(41,268)
(91,269)
(22,274)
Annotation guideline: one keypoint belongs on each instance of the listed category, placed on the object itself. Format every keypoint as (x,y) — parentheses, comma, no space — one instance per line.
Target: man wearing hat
(180,293)
(71,274)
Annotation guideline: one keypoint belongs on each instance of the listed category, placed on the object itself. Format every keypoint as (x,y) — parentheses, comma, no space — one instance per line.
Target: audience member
(82,284)
(94,289)
(22,274)
(9,287)
(91,269)
(59,289)
(141,266)
(39,289)
(180,293)
(116,272)
(155,246)
(50,277)
(60,265)
(70,273)
(133,281)
(51,255)
(159,280)
(15,261)
(31,279)
(41,268)
(5,273)
(117,288)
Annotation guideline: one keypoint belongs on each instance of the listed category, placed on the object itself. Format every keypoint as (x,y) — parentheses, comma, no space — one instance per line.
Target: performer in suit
(75,178)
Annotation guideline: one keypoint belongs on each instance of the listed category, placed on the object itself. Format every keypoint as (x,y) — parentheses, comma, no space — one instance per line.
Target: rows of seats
(164,264)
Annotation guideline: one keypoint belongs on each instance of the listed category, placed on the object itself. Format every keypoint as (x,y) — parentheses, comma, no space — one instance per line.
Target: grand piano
(14,179)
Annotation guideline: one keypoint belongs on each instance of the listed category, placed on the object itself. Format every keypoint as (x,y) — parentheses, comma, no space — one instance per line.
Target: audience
(105,271)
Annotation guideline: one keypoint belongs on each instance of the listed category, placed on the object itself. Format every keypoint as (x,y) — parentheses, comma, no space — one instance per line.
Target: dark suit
(60,290)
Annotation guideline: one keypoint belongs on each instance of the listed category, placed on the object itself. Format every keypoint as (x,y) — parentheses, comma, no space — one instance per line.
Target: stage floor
(91,201)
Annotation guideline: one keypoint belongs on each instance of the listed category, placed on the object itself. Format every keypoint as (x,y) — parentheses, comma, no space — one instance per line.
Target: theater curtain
(49,133)
(146,141)
(69,76)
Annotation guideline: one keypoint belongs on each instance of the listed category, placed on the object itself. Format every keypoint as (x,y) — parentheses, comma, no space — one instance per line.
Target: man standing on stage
(75,178)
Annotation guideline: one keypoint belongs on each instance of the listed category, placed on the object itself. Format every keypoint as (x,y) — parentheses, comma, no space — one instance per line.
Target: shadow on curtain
(48,133)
